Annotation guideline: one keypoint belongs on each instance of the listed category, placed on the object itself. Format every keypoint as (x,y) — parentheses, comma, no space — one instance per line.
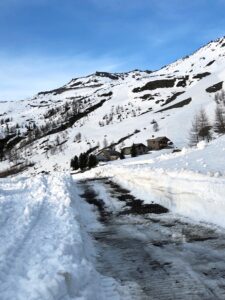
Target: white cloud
(22,77)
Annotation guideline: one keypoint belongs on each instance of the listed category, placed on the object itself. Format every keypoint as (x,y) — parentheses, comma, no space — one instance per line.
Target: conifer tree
(76,163)
(72,164)
(83,160)
(92,161)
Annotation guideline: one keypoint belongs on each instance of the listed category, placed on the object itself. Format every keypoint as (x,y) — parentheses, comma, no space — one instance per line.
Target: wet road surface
(152,253)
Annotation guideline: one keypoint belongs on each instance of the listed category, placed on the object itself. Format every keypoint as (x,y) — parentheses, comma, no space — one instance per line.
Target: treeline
(30,132)
(202,128)
(84,161)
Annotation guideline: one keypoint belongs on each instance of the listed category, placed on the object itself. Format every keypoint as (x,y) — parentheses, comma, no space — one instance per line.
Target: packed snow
(45,252)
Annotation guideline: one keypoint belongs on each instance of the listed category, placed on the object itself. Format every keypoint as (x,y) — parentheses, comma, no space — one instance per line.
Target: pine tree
(83,160)
(92,161)
(133,151)
(75,163)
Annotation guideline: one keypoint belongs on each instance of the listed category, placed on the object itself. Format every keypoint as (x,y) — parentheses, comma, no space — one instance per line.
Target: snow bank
(194,195)
(190,182)
(42,241)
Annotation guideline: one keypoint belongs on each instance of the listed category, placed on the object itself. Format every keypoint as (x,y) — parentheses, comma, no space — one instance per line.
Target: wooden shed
(159,143)
(140,149)
(107,155)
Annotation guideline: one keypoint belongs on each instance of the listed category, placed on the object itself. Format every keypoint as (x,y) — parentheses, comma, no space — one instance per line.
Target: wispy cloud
(21,77)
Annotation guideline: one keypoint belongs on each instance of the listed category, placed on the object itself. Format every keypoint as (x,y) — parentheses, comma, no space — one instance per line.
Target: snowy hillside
(53,126)
(146,227)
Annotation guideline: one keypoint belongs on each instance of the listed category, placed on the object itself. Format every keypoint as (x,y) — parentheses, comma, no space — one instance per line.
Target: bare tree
(201,129)
(156,126)
(204,126)
(105,143)
(219,124)
(58,140)
(77,137)
(194,132)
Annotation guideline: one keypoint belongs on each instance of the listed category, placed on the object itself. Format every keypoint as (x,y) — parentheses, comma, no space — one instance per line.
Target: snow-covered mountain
(119,108)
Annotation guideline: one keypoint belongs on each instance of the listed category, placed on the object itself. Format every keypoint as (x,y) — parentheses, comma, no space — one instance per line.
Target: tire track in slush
(153,254)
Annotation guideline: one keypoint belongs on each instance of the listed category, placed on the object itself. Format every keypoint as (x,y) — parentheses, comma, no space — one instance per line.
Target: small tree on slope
(219,124)
(156,127)
(193,135)
(204,126)
(201,129)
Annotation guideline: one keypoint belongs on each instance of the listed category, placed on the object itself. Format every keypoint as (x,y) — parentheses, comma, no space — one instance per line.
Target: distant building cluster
(158,143)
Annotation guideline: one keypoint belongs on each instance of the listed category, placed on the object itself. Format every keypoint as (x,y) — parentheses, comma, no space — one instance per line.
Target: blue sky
(44,43)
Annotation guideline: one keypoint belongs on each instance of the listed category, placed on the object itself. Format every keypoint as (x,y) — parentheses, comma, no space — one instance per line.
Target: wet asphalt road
(152,253)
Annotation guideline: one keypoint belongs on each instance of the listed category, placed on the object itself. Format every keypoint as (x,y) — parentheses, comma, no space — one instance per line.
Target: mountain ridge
(97,105)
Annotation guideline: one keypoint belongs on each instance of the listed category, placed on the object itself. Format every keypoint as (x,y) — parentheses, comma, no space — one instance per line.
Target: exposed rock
(55,91)
(13,141)
(201,75)
(177,105)
(106,94)
(183,81)
(174,97)
(215,88)
(147,97)
(76,83)
(108,75)
(210,63)
(157,84)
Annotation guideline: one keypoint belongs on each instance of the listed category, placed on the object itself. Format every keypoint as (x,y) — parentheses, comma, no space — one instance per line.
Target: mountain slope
(55,125)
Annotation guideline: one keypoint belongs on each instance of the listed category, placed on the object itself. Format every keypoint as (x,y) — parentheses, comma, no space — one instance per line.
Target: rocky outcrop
(156,84)
(215,88)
